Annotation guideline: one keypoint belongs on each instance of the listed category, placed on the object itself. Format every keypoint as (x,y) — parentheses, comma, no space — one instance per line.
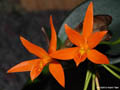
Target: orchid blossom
(36,66)
(85,42)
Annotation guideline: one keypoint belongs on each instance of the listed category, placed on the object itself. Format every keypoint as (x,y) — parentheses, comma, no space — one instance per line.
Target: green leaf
(87,80)
(111,71)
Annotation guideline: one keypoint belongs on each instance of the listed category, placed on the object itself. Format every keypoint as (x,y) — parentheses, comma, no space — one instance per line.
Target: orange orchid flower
(85,43)
(35,66)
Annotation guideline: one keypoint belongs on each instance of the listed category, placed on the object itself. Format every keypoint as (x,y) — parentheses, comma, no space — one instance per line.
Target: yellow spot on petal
(82,51)
(39,69)
(41,64)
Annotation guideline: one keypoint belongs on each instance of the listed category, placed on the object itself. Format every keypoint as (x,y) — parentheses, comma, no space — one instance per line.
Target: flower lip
(48,59)
(82,51)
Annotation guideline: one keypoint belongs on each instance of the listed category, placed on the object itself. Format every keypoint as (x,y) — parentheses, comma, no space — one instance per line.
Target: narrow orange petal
(53,41)
(23,66)
(57,71)
(97,57)
(79,58)
(64,54)
(32,48)
(36,70)
(74,36)
(88,21)
(95,38)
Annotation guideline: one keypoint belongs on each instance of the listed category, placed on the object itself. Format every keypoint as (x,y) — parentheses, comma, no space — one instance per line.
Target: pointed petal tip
(67,28)
(32,79)
(32,48)
(79,58)
(22,39)
(50,15)
(77,63)
(97,57)
(58,73)
(11,70)
(8,71)
(105,32)
(66,25)
(93,41)
(50,18)
(63,85)
(88,21)
(53,41)
(91,3)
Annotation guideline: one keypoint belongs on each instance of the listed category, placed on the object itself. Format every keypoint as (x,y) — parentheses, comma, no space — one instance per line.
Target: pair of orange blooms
(84,42)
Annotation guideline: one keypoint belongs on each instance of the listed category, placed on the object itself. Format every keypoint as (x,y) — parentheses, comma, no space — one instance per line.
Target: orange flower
(85,43)
(35,66)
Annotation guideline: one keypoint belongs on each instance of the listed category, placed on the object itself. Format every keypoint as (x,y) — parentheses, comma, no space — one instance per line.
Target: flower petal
(79,58)
(36,70)
(57,71)
(74,36)
(95,38)
(97,57)
(64,54)
(88,21)
(53,41)
(32,48)
(23,66)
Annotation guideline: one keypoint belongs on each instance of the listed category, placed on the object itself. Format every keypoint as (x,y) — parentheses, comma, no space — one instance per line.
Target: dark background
(26,19)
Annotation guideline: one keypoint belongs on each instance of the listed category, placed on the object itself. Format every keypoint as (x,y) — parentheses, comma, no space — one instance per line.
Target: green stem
(87,80)
(111,43)
(97,83)
(106,42)
(111,71)
(93,82)
(114,67)
(116,42)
